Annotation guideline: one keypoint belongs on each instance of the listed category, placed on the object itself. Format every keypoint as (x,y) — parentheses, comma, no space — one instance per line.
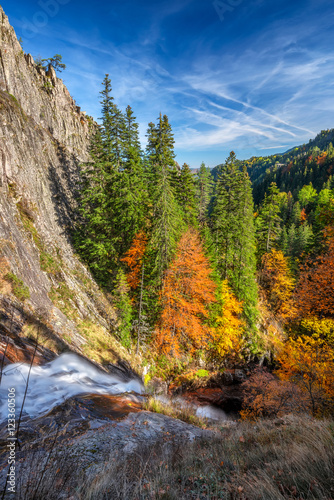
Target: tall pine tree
(166,218)
(133,190)
(204,193)
(268,221)
(100,235)
(186,195)
(234,235)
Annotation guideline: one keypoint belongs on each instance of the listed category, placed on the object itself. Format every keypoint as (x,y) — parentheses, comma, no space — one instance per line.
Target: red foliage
(303,216)
(320,160)
(134,259)
(315,291)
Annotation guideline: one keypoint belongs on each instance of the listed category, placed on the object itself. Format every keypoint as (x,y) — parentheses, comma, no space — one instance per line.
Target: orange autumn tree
(303,216)
(187,291)
(134,259)
(315,291)
(277,283)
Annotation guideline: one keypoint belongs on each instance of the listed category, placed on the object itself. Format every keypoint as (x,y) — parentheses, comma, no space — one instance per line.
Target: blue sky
(255,76)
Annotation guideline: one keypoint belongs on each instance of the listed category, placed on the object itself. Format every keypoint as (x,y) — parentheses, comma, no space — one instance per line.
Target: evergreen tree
(160,145)
(268,220)
(107,106)
(204,193)
(234,235)
(243,280)
(186,195)
(122,302)
(113,126)
(133,191)
(94,237)
(284,241)
(225,214)
(166,219)
(99,237)
(296,213)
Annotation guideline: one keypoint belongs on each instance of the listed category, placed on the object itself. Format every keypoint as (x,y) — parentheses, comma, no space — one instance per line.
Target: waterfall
(51,384)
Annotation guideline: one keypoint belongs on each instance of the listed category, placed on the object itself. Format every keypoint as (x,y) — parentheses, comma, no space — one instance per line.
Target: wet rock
(227,378)
(23,350)
(157,386)
(239,376)
(86,432)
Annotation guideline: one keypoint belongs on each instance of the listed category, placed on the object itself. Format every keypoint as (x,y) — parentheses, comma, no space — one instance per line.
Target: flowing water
(51,384)
(70,375)
(207,411)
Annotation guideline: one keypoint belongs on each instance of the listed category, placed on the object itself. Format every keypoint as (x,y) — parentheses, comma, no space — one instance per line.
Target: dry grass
(186,413)
(287,459)
(39,333)
(103,347)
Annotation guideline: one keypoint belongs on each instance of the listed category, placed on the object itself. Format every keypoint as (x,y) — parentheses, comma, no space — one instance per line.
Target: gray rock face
(89,438)
(43,140)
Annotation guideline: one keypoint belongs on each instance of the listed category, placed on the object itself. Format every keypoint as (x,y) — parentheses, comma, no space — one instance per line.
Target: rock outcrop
(91,433)
(44,138)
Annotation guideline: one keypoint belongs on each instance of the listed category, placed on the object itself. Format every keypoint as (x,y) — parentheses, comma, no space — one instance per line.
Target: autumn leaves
(187,292)
(196,312)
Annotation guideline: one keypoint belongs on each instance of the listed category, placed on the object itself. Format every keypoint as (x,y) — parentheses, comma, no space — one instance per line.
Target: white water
(206,411)
(51,384)
(212,412)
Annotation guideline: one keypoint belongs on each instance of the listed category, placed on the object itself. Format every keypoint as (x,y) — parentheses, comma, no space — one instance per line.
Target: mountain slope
(311,162)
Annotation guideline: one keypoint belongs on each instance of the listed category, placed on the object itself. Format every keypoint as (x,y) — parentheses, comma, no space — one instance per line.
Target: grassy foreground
(287,458)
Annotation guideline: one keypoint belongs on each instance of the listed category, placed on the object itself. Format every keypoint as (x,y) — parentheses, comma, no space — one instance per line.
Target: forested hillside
(200,276)
(311,162)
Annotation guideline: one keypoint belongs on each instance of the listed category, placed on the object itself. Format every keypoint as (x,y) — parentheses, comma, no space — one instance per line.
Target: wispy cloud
(246,84)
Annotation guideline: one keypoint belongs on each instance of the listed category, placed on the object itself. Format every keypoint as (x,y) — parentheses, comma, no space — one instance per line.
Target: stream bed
(70,376)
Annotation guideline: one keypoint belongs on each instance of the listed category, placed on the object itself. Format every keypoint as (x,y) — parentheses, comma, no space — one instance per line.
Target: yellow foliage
(227,336)
(277,283)
(309,363)
(323,328)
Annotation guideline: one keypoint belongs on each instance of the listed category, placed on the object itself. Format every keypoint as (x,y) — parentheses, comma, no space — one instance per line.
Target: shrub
(20,290)
(267,396)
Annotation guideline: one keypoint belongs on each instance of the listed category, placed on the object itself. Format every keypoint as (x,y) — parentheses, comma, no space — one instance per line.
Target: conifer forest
(197,261)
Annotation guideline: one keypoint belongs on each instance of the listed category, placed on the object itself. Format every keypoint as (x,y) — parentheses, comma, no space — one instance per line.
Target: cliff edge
(45,290)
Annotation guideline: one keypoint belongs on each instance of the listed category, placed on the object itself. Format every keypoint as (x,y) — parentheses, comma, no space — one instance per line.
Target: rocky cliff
(44,136)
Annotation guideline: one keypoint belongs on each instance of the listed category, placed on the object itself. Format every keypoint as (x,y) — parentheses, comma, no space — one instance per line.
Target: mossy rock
(20,290)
